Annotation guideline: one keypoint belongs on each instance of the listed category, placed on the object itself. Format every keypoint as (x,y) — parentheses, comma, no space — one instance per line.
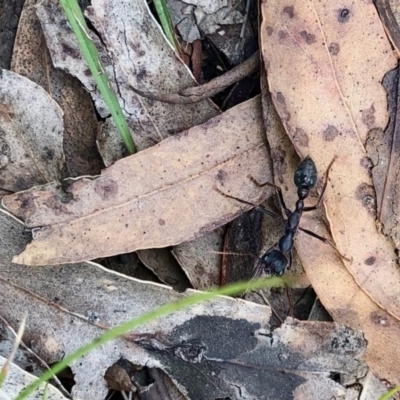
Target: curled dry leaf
(161,196)
(328,93)
(31,59)
(31,134)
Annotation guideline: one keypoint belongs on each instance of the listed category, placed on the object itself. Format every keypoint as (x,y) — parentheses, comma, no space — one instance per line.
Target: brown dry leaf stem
(209,89)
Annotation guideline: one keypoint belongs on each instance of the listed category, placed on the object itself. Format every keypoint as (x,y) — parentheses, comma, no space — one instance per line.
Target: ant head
(274,262)
(305,176)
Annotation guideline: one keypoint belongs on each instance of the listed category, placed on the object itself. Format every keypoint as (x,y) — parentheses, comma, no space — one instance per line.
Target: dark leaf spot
(221,176)
(330,133)
(269,30)
(161,221)
(370,261)
(48,153)
(57,204)
(368,117)
(300,137)
(289,10)
(27,204)
(141,74)
(106,188)
(343,15)
(334,49)
(366,163)
(380,318)
(70,51)
(366,194)
(308,37)
(282,34)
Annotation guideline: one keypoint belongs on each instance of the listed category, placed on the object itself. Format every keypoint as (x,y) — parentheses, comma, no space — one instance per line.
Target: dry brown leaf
(31,134)
(31,59)
(346,302)
(383,148)
(162,263)
(132,57)
(200,259)
(159,197)
(327,90)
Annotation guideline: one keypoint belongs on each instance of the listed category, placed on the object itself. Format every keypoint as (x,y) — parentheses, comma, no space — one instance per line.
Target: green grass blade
(389,394)
(166,22)
(145,318)
(91,55)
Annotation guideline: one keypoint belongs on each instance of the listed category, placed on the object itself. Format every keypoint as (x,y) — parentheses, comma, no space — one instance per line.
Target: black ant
(276,261)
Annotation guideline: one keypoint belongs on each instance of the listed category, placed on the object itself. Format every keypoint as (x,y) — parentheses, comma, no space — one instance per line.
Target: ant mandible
(276,260)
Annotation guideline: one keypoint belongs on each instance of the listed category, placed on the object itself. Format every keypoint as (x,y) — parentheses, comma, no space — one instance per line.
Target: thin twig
(203,92)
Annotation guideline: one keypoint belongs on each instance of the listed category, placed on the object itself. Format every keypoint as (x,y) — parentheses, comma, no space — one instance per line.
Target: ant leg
(305,209)
(256,207)
(257,272)
(279,191)
(325,240)
(290,259)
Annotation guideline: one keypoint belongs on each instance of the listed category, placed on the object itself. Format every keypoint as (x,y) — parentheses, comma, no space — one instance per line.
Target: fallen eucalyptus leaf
(31,59)
(346,302)
(329,96)
(31,127)
(159,197)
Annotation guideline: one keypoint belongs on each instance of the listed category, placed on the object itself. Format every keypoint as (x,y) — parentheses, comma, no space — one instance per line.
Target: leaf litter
(31,134)
(132,57)
(76,272)
(321,58)
(159,197)
(225,343)
(349,302)
(31,59)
